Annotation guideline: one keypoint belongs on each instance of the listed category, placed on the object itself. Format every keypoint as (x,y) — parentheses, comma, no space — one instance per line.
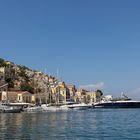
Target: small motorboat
(54,108)
(32,109)
(9,109)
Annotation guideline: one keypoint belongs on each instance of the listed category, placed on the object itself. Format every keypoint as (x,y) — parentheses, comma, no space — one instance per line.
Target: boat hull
(10,110)
(80,106)
(118,105)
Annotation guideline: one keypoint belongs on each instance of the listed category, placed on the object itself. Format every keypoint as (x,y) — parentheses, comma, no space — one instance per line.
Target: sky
(93,43)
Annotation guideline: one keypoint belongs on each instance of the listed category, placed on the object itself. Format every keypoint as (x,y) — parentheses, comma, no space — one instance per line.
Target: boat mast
(58,85)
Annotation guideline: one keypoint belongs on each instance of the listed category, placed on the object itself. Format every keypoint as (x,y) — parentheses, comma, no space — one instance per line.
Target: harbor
(25,90)
(69,70)
(106,102)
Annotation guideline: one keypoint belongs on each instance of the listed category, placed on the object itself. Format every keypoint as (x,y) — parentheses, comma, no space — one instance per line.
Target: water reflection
(90,124)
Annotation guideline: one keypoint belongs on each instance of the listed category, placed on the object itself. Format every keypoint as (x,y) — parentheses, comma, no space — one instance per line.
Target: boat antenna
(45,70)
(57,73)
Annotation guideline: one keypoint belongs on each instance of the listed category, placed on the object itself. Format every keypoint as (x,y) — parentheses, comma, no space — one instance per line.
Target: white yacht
(50,108)
(122,102)
(33,109)
(80,106)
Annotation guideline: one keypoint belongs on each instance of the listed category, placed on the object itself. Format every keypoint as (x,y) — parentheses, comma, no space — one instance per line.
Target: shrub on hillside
(26,87)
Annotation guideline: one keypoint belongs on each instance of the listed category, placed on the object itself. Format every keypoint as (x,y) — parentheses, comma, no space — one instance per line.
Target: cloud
(93,87)
(135,94)
(136,91)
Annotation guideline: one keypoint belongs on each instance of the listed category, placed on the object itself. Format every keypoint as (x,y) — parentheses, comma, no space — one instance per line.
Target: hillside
(23,78)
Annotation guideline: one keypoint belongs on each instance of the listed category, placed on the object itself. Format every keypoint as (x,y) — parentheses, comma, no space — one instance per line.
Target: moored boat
(9,109)
(54,108)
(67,106)
(80,106)
(117,104)
(33,109)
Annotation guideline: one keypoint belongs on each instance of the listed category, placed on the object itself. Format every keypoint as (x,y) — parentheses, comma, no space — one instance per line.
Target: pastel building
(18,96)
(25,97)
(88,96)
(72,91)
(60,92)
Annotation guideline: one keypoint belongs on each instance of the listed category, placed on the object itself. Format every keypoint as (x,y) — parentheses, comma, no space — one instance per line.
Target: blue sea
(94,124)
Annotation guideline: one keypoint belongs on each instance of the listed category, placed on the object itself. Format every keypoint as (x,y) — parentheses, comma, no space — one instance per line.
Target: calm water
(74,125)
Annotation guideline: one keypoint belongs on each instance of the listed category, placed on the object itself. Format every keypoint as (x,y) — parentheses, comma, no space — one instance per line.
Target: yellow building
(94,96)
(72,91)
(88,96)
(60,92)
(80,95)
(25,97)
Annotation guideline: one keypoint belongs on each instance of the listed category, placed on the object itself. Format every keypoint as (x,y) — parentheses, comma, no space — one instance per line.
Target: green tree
(2,63)
(26,87)
(1,60)
(99,91)
(10,82)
